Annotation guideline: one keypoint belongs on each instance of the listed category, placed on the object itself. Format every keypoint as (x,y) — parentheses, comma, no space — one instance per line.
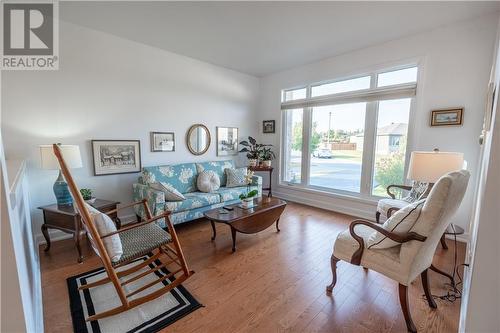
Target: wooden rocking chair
(153,239)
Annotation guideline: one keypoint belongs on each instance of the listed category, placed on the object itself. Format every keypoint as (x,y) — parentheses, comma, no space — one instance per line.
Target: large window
(348,136)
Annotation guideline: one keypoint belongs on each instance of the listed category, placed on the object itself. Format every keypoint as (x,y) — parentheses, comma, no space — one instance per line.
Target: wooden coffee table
(266,212)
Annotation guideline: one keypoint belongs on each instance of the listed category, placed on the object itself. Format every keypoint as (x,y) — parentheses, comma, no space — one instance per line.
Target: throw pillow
(208,181)
(236,177)
(105,225)
(401,222)
(171,193)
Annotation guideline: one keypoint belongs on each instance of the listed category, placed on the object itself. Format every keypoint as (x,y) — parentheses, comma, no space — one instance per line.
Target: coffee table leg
(277,226)
(233,235)
(214,232)
(437,270)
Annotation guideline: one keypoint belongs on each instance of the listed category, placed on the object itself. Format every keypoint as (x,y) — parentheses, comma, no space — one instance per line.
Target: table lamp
(429,166)
(71,154)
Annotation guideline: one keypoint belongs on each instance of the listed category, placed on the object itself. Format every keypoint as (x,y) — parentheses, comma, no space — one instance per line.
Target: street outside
(342,172)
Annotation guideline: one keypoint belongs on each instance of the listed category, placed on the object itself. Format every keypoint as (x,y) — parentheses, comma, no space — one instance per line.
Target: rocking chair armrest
(126,206)
(397,237)
(403,187)
(137,225)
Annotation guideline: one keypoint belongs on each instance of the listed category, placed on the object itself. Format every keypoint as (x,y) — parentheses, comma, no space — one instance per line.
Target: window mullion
(306,154)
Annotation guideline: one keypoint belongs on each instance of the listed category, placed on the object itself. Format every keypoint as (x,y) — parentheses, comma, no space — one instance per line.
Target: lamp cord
(453,293)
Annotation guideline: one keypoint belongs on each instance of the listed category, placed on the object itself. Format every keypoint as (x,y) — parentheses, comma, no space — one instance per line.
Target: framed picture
(116,156)
(268,126)
(227,141)
(447,117)
(162,141)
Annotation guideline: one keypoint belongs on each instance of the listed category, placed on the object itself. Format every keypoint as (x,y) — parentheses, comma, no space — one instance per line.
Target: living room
(250,135)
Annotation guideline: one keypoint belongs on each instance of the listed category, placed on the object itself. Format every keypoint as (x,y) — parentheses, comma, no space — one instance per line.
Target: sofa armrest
(155,198)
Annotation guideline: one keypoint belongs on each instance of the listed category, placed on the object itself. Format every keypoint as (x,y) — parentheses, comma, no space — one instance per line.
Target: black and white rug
(148,317)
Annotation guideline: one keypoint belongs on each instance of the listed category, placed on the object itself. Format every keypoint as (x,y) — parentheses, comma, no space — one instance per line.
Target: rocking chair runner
(153,239)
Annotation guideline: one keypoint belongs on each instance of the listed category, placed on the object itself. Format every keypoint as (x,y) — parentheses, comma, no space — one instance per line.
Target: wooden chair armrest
(397,237)
(126,206)
(403,187)
(137,225)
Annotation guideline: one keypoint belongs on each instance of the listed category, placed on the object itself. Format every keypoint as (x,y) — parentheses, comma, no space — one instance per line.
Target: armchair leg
(333,263)
(443,242)
(377,217)
(427,290)
(403,299)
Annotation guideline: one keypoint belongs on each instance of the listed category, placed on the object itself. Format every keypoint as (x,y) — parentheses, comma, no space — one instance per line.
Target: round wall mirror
(198,139)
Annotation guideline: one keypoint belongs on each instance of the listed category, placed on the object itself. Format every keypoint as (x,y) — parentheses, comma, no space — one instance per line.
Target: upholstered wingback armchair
(386,207)
(413,256)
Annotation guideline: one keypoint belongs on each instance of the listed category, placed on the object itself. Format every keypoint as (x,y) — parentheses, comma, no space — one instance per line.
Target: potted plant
(253,150)
(247,199)
(87,195)
(266,155)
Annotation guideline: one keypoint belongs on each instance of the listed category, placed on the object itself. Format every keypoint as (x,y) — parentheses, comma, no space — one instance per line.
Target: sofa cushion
(218,167)
(171,193)
(233,193)
(193,200)
(208,181)
(236,177)
(181,176)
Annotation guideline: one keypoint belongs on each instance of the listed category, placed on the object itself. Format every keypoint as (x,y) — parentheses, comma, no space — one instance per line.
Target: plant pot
(91,200)
(252,162)
(266,164)
(247,203)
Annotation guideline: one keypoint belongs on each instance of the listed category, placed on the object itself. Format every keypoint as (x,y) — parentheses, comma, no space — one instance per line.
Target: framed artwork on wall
(447,117)
(227,141)
(268,126)
(162,141)
(116,156)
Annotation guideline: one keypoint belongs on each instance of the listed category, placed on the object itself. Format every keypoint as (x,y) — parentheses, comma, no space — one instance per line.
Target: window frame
(371,120)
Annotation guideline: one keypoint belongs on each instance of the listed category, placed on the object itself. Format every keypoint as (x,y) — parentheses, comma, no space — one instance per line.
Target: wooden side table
(265,169)
(67,219)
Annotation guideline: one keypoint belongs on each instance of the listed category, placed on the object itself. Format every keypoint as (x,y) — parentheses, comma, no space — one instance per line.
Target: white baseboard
(57,235)
(328,205)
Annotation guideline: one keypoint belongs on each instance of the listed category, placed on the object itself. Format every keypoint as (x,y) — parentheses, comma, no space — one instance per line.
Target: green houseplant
(253,150)
(266,156)
(87,195)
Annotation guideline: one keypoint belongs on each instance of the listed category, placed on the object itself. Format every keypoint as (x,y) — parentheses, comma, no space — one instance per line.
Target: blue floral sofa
(183,177)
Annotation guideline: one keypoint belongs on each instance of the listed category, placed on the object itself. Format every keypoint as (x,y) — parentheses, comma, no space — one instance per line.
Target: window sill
(330,194)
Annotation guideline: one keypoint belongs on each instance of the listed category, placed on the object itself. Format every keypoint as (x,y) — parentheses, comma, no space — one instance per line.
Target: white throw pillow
(236,177)
(208,181)
(171,193)
(105,225)
(400,222)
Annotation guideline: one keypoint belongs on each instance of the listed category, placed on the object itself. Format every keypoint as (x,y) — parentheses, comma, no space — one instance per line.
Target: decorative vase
(266,164)
(247,203)
(252,162)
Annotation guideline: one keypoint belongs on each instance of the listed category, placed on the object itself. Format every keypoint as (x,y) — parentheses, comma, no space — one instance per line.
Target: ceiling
(260,38)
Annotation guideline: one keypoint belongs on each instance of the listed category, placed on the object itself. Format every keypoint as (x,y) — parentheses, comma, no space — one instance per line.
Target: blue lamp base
(61,192)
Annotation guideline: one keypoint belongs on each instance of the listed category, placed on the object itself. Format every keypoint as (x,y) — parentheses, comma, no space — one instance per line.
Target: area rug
(148,317)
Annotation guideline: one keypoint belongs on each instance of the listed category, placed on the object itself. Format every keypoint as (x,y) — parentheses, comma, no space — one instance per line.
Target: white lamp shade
(71,154)
(429,166)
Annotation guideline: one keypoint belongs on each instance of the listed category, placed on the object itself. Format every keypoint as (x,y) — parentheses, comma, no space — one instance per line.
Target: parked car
(322,153)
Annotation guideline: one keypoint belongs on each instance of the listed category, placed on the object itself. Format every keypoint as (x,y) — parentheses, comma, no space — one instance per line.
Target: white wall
(481,298)
(111,88)
(455,62)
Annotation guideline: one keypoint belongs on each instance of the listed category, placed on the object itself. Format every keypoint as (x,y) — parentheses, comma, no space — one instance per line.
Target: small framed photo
(162,141)
(268,126)
(116,156)
(227,141)
(447,117)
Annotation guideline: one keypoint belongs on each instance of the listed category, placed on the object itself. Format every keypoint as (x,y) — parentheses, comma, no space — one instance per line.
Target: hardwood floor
(273,282)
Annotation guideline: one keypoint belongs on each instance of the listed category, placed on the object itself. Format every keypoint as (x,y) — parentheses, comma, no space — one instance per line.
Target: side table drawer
(60,220)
